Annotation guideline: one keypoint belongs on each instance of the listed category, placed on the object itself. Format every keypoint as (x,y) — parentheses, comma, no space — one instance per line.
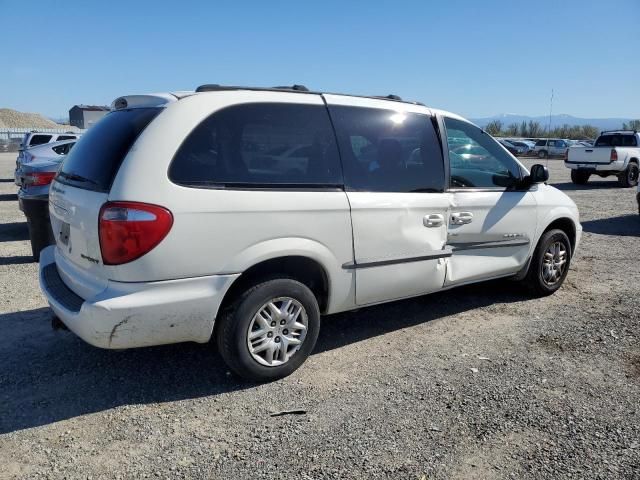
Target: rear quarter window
(63,149)
(39,140)
(97,155)
(617,140)
(263,145)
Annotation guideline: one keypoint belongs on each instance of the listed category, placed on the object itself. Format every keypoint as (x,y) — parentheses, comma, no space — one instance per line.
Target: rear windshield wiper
(78,178)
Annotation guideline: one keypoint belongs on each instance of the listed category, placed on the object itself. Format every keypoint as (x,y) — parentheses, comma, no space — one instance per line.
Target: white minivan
(244,214)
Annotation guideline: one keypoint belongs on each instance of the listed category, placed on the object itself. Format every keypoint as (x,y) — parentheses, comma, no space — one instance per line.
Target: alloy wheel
(554,263)
(277,331)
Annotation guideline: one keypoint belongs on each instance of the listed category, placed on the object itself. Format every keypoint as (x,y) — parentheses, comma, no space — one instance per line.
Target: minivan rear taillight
(129,230)
(614,155)
(38,179)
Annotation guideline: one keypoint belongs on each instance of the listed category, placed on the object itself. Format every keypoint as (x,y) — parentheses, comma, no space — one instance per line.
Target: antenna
(549,127)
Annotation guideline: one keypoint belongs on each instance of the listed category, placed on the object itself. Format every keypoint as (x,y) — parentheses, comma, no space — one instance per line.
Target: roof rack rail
(214,87)
(391,96)
(619,130)
(296,87)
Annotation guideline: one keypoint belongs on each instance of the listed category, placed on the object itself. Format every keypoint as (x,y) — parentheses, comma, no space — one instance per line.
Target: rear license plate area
(64,233)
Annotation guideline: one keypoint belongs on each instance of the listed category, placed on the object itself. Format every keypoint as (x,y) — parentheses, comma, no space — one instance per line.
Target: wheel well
(567,226)
(303,269)
(634,160)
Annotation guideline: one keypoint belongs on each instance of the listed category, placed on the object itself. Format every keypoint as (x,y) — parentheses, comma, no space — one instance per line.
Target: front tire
(579,177)
(549,263)
(629,178)
(270,330)
(542,154)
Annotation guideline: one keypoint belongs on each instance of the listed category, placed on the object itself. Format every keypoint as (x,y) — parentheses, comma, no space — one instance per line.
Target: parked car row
(351,201)
(541,148)
(35,139)
(512,147)
(47,151)
(39,158)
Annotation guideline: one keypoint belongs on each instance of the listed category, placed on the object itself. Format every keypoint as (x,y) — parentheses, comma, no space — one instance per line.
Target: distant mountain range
(556,121)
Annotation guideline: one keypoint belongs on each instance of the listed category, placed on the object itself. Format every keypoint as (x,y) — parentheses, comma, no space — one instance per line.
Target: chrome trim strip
(444,253)
(491,244)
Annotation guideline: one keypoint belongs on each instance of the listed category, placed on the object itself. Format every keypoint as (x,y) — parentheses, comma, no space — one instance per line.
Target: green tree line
(533,129)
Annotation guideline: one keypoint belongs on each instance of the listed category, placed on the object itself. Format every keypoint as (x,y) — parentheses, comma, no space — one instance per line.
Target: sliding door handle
(461,218)
(433,220)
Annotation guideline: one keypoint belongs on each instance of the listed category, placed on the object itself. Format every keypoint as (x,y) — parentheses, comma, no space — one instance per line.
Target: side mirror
(539,174)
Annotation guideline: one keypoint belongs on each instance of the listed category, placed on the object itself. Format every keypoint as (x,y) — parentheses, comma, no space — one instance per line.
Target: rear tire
(629,178)
(580,177)
(542,154)
(549,264)
(252,313)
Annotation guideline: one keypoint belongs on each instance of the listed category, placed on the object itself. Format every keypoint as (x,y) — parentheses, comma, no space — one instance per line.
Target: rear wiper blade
(77,178)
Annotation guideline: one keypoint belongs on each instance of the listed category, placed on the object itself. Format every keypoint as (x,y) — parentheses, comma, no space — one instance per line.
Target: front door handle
(433,220)
(461,218)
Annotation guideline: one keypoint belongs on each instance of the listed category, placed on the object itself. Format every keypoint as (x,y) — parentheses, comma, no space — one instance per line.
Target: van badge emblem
(91,259)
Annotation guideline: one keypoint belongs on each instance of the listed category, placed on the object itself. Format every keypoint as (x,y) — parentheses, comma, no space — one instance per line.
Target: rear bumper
(127,315)
(617,166)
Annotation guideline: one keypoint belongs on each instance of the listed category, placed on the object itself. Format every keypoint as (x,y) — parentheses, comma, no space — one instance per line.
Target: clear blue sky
(474,57)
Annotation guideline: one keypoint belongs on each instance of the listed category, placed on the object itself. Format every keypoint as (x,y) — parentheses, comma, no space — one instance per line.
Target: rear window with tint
(63,149)
(97,155)
(617,141)
(260,145)
(39,140)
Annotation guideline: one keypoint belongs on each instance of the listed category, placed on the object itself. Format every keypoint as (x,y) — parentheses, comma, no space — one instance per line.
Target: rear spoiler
(148,100)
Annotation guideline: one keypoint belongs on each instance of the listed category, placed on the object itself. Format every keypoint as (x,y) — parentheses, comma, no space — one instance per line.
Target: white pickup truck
(615,152)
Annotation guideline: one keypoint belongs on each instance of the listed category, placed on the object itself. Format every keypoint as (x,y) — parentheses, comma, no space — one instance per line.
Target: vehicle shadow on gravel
(6,180)
(17,260)
(15,231)
(352,327)
(48,376)
(624,225)
(570,186)
(9,197)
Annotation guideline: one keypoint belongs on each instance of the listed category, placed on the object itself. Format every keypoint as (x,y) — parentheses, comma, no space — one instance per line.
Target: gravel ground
(477,382)
(13,119)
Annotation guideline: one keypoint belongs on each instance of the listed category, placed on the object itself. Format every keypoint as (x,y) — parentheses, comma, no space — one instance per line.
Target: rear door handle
(461,218)
(433,220)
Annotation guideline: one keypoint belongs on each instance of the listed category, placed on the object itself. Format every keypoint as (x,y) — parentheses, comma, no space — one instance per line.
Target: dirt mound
(13,119)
